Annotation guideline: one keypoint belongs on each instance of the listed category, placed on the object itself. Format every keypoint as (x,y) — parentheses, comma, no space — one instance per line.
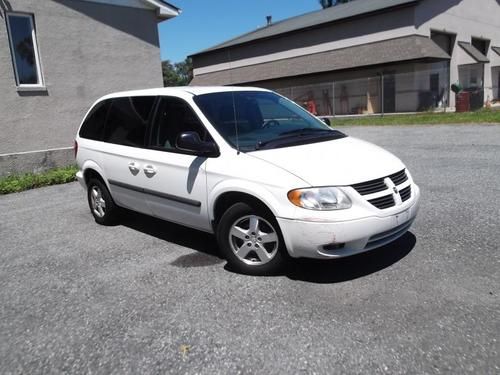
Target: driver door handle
(133,167)
(149,170)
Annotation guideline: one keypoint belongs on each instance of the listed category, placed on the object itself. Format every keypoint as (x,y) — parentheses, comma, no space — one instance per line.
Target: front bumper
(330,240)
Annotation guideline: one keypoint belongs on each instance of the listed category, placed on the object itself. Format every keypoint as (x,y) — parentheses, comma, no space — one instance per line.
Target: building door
(498,84)
(389,96)
(434,88)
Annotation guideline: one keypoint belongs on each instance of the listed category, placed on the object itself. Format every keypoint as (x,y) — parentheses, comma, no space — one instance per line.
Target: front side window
(254,120)
(23,45)
(127,120)
(174,116)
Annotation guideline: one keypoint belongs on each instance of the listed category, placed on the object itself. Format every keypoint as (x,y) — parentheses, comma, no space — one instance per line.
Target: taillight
(75,147)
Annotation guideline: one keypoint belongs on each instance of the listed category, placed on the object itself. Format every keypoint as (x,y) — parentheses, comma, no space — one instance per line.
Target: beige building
(368,56)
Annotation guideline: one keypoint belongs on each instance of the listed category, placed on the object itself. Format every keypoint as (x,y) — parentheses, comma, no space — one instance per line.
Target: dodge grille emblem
(395,189)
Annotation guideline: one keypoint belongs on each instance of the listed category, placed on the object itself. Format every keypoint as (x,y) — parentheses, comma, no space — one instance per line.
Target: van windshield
(255,120)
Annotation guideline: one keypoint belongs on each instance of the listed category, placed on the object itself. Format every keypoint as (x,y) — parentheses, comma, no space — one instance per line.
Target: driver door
(176,183)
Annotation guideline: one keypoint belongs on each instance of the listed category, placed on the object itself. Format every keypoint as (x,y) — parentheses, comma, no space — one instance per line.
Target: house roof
(165,10)
(170,5)
(313,19)
(474,52)
(413,47)
(496,49)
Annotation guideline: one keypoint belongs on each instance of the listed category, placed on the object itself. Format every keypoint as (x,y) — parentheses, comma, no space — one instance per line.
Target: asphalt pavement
(151,297)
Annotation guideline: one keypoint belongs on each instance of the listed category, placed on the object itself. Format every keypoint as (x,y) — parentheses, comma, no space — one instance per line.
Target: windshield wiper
(305,131)
(299,136)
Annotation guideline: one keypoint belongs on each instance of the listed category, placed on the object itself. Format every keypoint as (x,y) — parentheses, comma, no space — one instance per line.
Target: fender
(258,191)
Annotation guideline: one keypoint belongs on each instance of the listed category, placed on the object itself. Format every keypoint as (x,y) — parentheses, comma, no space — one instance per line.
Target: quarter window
(93,127)
(23,45)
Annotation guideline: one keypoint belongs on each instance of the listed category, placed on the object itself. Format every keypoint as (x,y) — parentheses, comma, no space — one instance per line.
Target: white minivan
(270,180)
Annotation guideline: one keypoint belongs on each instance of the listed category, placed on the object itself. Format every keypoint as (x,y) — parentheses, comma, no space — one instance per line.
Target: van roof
(181,91)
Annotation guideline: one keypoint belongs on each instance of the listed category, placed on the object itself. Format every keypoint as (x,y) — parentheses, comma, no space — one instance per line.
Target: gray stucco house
(57,57)
(368,56)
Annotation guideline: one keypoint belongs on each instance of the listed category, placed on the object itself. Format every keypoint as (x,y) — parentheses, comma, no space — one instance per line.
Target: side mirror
(326,121)
(191,142)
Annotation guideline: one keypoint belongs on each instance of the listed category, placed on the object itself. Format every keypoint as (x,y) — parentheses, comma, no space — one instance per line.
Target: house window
(25,58)
(482,45)
(444,40)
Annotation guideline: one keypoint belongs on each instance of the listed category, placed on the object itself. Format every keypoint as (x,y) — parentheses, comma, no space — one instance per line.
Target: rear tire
(250,239)
(101,204)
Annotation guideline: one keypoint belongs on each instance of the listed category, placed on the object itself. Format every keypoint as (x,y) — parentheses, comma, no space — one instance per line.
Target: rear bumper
(81,179)
(330,240)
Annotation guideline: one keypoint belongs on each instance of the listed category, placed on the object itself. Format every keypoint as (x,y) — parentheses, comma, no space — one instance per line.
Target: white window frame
(21,86)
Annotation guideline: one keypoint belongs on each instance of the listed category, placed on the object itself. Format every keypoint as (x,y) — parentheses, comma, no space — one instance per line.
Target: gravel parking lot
(147,296)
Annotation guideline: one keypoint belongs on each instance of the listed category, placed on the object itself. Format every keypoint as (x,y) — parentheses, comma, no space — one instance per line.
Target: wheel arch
(91,169)
(224,198)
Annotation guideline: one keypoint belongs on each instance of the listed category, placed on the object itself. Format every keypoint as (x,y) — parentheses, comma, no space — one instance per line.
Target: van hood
(339,162)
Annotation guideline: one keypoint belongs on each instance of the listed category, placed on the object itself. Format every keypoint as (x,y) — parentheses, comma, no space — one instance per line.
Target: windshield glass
(256,120)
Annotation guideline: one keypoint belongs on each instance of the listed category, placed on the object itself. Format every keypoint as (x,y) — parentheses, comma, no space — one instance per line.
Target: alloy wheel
(253,240)
(97,202)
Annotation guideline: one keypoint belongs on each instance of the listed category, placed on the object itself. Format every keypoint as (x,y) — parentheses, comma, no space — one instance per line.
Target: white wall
(466,19)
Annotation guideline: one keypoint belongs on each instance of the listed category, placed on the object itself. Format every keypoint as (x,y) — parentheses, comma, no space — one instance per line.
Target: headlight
(324,199)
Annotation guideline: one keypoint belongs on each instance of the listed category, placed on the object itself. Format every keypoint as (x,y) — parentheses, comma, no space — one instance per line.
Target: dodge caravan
(269,179)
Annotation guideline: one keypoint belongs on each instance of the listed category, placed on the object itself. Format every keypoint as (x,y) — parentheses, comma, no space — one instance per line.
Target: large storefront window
(495,77)
(386,92)
(317,99)
(471,79)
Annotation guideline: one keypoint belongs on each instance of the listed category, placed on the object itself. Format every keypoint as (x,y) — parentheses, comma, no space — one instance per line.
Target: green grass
(484,116)
(21,182)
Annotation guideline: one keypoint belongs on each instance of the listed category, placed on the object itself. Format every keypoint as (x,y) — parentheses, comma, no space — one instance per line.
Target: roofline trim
(164,10)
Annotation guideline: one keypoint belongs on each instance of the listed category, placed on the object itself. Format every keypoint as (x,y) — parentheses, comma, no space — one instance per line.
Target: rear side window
(93,127)
(128,120)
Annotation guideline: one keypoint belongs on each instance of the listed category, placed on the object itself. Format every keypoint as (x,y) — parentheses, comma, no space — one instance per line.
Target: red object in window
(311,107)
(75,147)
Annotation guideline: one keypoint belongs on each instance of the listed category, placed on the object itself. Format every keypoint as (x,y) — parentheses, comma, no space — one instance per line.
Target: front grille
(383,202)
(405,193)
(370,187)
(378,185)
(399,178)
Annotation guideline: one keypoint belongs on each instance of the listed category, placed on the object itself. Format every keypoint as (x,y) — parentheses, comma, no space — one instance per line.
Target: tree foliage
(178,74)
(329,3)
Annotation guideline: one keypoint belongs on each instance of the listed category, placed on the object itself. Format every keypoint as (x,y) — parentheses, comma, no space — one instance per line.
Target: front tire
(250,240)
(101,204)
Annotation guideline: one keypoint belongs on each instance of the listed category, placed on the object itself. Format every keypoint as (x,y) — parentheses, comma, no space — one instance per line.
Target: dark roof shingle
(413,47)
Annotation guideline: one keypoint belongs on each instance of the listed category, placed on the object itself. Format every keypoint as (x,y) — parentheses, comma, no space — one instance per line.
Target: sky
(205,23)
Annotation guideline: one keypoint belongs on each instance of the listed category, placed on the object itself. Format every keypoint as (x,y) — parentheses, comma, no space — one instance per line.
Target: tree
(329,3)
(178,74)
(326,3)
